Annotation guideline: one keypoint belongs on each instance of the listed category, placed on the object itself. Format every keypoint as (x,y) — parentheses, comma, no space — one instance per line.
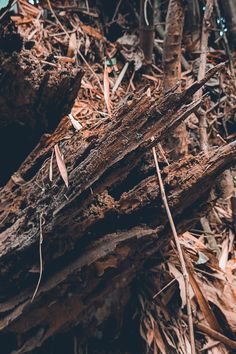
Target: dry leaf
(72,47)
(180,279)
(75,123)
(149,336)
(107,90)
(224,254)
(50,167)
(159,340)
(61,165)
(120,78)
(202,258)
(202,302)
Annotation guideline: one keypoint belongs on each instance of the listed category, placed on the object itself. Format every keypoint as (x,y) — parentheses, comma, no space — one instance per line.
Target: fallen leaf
(202,302)
(61,165)
(224,254)
(72,45)
(202,258)
(180,279)
(159,340)
(50,167)
(75,123)
(107,90)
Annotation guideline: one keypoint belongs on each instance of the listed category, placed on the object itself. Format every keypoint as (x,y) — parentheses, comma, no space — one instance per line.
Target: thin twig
(180,253)
(92,71)
(41,221)
(56,18)
(116,10)
(214,334)
(165,287)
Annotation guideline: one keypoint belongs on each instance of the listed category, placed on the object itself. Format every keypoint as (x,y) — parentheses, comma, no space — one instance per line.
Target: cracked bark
(98,237)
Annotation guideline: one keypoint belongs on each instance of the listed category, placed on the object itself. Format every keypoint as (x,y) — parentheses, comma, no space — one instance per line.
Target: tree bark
(95,236)
(34,96)
(147,29)
(178,144)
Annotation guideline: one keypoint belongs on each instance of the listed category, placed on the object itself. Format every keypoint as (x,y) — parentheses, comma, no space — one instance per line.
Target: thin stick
(56,18)
(214,334)
(40,256)
(202,72)
(165,287)
(116,10)
(180,253)
(90,68)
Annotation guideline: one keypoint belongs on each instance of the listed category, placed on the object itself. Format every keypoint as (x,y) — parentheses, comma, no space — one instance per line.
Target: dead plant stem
(180,252)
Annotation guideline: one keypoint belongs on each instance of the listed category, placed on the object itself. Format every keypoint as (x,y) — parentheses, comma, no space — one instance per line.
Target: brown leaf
(180,279)
(224,254)
(203,303)
(159,340)
(72,45)
(106,84)
(61,165)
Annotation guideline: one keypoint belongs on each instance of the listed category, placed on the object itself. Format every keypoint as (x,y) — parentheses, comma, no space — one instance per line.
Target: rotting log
(97,233)
(34,96)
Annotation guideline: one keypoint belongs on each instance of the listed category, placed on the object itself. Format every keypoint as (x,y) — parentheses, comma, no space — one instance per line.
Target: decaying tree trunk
(94,237)
(34,96)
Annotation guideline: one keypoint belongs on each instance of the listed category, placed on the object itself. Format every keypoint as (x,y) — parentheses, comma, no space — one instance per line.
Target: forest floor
(106,48)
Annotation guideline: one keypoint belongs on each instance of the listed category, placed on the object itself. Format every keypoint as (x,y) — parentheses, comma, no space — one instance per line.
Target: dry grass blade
(61,165)
(120,78)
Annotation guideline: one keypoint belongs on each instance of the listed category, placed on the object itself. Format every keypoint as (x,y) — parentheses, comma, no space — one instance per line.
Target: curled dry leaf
(202,258)
(75,123)
(61,165)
